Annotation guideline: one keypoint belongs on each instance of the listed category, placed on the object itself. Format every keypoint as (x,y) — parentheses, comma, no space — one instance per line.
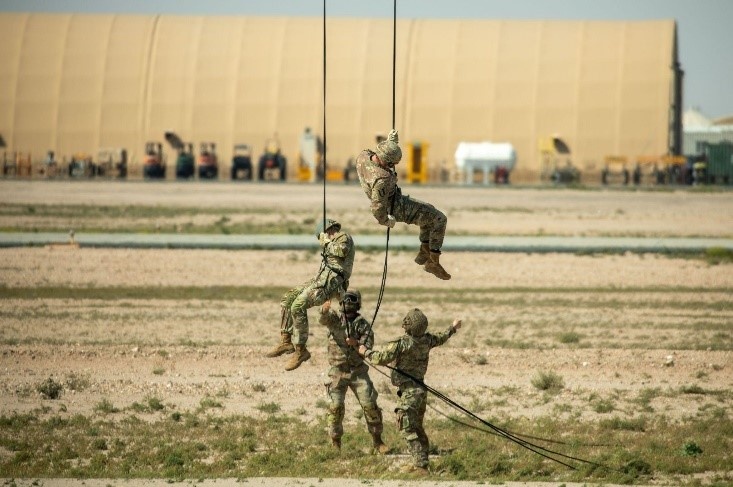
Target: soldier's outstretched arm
(442,337)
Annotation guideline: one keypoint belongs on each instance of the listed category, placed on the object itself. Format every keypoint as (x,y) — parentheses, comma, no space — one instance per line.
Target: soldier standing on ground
(332,280)
(411,352)
(378,179)
(348,369)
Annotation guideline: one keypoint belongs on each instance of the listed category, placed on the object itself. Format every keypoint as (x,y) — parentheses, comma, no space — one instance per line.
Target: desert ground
(613,326)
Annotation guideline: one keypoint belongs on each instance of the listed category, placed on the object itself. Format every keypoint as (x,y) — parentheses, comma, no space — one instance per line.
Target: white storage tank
(487,157)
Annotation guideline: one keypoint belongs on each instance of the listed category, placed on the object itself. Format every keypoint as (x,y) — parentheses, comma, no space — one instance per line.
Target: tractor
(184,162)
(615,170)
(242,162)
(208,162)
(557,165)
(154,162)
(185,166)
(112,162)
(82,166)
(272,164)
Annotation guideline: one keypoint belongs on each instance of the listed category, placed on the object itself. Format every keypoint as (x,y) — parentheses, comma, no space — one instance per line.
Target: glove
(324,239)
(390,221)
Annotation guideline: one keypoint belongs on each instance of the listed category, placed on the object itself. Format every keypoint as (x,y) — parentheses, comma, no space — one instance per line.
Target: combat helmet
(329,223)
(415,323)
(351,301)
(389,151)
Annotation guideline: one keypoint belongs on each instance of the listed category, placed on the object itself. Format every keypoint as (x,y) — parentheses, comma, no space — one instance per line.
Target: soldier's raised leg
(286,326)
(299,311)
(432,223)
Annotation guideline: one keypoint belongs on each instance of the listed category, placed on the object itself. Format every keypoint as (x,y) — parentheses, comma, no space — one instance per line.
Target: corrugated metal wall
(79,82)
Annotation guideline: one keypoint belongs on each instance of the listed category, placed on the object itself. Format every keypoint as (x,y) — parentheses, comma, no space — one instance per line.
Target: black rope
(394,77)
(394,58)
(522,435)
(323,156)
(539,450)
(495,430)
(471,426)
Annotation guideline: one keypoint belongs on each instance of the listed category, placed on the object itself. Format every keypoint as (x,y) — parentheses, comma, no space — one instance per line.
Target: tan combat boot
(285,346)
(301,355)
(378,445)
(433,266)
(423,255)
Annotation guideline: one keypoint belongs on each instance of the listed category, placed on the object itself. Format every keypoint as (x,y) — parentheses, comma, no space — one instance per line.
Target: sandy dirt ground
(513,306)
(471,210)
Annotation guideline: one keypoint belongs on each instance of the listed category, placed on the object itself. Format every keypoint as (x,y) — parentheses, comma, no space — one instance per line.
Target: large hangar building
(78,82)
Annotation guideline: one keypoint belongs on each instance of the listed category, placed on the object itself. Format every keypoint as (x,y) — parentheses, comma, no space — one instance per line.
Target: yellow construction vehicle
(416,163)
(615,170)
(665,169)
(556,163)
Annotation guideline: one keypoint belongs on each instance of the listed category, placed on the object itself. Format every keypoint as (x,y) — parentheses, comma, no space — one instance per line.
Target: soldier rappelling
(378,179)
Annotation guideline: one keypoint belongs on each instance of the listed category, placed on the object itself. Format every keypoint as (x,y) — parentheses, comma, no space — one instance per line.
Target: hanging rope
(394,83)
(495,430)
(323,157)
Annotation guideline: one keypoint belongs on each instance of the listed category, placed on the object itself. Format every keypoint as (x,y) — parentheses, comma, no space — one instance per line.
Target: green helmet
(351,301)
(329,223)
(415,323)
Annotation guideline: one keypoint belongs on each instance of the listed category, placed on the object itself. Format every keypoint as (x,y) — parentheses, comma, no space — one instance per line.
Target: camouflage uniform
(349,371)
(380,186)
(332,280)
(411,354)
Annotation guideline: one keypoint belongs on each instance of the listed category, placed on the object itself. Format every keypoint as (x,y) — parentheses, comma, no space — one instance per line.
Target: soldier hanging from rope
(332,280)
(378,179)
(348,370)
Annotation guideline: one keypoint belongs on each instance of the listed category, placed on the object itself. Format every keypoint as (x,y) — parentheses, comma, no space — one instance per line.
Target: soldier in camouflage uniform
(410,353)
(348,370)
(378,179)
(332,280)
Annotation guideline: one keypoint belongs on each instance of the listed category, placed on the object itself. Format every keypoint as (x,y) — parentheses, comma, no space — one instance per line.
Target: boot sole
(284,352)
(435,273)
(300,362)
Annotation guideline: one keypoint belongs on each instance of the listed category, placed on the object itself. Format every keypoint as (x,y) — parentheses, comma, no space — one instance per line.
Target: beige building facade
(76,82)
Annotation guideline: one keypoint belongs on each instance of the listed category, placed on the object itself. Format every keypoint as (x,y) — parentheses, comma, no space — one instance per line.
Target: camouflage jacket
(338,256)
(379,184)
(411,354)
(340,327)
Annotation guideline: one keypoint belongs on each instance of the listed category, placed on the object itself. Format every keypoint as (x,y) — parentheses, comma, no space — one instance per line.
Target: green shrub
(269,407)
(50,389)
(548,381)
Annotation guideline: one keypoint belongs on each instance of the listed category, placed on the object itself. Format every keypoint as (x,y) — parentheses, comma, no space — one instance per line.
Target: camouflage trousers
(432,221)
(295,304)
(410,414)
(343,378)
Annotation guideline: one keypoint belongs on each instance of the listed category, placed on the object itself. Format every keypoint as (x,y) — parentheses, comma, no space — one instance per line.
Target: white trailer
(484,156)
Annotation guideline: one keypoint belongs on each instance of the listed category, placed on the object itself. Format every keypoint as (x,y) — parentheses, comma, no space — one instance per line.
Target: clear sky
(705,27)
